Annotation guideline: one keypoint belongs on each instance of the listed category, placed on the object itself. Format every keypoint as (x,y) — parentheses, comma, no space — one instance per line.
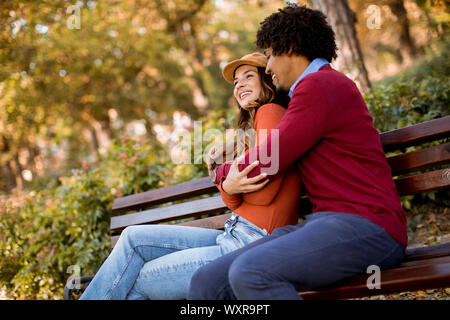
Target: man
(357,218)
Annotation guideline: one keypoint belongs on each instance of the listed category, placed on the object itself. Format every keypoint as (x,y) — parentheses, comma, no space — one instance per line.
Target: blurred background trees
(89,114)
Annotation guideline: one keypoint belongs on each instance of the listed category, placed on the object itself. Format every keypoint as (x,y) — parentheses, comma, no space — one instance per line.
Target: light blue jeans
(158,261)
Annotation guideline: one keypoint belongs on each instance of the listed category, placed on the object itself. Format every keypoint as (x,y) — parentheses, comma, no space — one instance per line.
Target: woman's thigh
(169,276)
(154,241)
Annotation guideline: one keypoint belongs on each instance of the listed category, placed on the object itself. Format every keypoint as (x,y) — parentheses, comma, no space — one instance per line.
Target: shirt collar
(314,66)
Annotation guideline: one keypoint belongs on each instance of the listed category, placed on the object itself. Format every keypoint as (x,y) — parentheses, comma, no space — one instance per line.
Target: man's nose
(268,71)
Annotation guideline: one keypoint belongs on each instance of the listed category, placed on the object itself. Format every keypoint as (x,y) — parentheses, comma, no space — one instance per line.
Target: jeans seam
(119,277)
(175,266)
(159,245)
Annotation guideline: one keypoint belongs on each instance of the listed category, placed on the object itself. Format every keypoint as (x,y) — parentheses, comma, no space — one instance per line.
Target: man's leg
(210,282)
(327,248)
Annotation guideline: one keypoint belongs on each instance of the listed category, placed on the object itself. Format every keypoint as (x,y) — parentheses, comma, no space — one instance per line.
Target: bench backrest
(403,168)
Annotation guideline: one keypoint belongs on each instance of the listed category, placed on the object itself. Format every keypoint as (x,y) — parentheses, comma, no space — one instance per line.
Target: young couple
(327,144)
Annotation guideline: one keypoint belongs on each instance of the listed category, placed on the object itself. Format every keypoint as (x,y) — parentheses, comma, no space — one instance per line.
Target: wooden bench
(423,268)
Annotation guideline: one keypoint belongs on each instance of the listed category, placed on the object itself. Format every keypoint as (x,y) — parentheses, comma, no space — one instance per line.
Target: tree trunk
(9,182)
(8,177)
(407,47)
(350,59)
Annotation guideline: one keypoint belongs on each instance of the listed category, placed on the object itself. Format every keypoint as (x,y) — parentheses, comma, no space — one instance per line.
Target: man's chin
(281,91)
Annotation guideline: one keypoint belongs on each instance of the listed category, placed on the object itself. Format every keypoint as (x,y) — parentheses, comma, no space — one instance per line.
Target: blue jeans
(158,261)
(324,248)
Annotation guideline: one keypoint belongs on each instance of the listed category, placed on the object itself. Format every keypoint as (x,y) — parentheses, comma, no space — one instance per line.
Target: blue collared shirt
(314,66)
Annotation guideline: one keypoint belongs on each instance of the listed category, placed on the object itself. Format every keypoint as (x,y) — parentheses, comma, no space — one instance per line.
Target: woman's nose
(240,84)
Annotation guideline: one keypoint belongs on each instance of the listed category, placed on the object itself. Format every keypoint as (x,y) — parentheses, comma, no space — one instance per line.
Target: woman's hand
(237,182)
(210,160)
(215,156)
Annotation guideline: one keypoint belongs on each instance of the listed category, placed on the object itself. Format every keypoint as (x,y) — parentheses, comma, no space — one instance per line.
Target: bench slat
(173,212)
(420,159)
(416,134)
(421,276)
(216,222)
(427,181)
(171,193)
(431,251)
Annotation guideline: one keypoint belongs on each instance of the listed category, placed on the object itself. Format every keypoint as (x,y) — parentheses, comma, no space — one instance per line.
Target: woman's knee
(131,235)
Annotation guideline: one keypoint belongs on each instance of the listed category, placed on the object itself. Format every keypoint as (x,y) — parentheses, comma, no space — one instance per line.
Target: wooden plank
(173,212)
(427,252)
(420,276)
(416,134)
(171,193)
(215,222)
(434,180)
(420,159)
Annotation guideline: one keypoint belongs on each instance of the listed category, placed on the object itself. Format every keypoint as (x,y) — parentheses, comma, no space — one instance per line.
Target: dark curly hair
(301,29)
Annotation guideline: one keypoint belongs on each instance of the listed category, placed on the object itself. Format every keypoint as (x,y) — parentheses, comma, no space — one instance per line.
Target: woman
(158,261)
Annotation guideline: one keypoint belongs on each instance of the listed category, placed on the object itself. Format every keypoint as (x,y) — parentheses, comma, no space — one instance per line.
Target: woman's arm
(267,118)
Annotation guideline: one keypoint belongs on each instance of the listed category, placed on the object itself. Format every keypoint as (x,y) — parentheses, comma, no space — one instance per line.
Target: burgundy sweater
(328,131)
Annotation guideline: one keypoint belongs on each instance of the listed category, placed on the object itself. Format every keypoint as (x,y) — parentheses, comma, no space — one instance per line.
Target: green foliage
(411,99)
(406,103)
(45,232)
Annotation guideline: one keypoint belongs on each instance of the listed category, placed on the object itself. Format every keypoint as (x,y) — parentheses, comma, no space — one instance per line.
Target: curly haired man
(357,218)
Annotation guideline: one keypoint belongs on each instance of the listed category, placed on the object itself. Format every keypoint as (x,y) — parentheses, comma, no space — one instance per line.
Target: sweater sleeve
(232,201)
(266,119)
(305,122)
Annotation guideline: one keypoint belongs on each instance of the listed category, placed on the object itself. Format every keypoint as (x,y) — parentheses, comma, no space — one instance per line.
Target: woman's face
(247,85)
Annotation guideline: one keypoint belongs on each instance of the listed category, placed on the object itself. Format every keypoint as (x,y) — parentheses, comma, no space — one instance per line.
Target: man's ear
(290,52)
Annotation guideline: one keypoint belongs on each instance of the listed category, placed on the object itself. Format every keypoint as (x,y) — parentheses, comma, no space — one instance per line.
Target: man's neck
(299,65)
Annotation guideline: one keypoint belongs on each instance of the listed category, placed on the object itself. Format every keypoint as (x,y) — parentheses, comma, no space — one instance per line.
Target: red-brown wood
(171,193)
(420,276)
(173,212)
(428,181)
(421,159)
(427,252)
(416,134)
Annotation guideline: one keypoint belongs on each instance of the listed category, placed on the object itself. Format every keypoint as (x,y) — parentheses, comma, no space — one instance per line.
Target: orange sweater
(275,205)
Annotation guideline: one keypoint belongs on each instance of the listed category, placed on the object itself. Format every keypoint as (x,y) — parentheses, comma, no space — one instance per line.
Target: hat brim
(230,68)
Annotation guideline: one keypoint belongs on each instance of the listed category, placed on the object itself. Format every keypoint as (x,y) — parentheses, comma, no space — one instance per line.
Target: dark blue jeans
(324,248)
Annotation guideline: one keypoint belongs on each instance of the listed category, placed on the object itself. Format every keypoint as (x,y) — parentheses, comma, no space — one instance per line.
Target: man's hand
(237,182)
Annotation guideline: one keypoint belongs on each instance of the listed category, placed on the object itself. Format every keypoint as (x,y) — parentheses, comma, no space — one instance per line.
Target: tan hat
(253,59)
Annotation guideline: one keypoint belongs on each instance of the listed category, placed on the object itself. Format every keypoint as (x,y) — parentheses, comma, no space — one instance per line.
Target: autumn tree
(350,59)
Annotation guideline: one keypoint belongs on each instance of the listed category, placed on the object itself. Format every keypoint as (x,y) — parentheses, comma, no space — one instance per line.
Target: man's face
(282,68)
